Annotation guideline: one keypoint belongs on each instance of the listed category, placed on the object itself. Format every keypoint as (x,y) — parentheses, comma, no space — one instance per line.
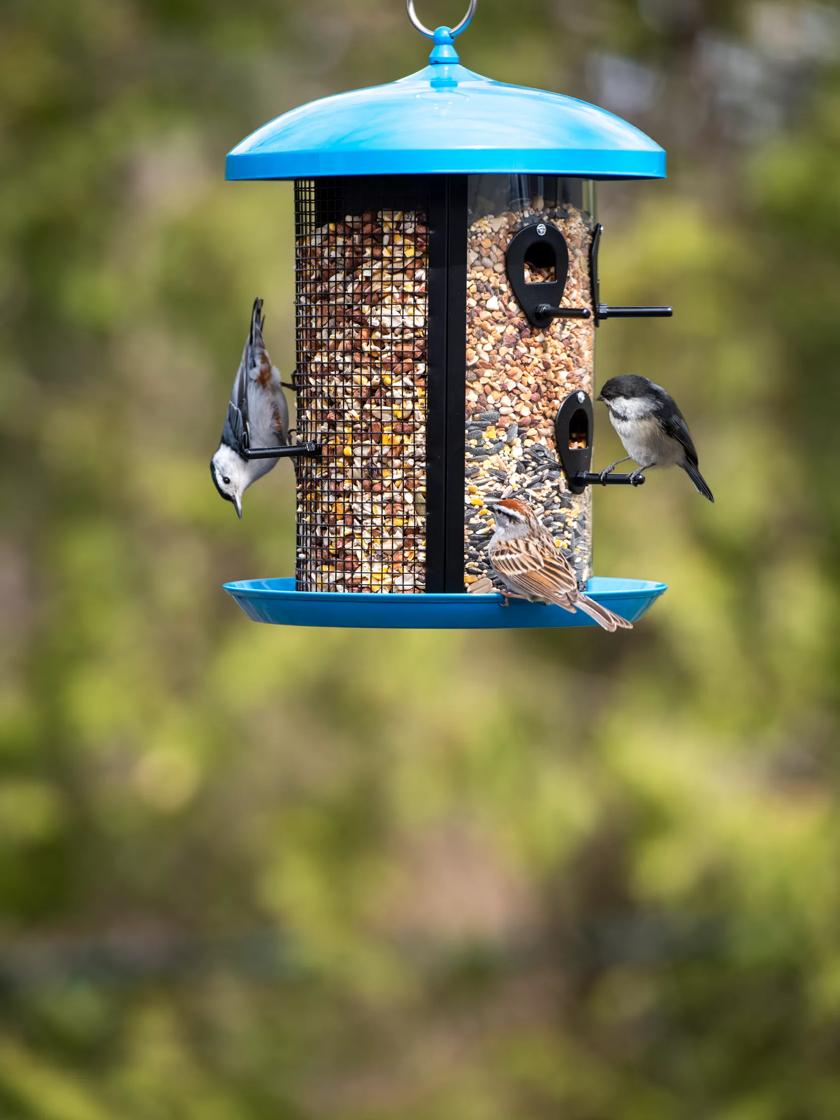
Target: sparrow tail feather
(605,618)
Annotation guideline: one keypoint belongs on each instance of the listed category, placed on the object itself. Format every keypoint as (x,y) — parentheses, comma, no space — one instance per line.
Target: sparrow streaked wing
(537,568)
(526,559)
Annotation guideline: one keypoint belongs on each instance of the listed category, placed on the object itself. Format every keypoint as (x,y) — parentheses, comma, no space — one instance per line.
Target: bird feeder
(447,300)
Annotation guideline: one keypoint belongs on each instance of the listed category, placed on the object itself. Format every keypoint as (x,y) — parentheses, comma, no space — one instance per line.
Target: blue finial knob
(443,52)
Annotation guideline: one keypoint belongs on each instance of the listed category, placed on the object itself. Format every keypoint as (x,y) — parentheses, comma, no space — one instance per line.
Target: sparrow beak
(237,505)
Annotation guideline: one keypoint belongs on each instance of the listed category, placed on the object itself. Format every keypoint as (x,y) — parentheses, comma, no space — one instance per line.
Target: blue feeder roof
(447,119)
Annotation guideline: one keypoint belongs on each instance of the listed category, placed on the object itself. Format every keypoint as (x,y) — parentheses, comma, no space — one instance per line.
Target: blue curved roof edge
(446,119)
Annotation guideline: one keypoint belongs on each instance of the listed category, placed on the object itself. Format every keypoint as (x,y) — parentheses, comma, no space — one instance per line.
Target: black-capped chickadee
(258,403)
(651,427)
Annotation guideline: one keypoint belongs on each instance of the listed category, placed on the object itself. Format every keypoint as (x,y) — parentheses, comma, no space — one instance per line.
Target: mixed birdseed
(517,378)
(362,315)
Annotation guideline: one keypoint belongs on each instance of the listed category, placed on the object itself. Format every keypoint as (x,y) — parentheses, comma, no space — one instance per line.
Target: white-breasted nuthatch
(258,406)
(651,428)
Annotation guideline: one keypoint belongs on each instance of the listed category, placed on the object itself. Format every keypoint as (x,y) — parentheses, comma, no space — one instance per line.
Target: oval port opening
(578,431)
(540,266)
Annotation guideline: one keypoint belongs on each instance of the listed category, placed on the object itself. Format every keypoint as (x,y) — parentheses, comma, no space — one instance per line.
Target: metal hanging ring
(421,27)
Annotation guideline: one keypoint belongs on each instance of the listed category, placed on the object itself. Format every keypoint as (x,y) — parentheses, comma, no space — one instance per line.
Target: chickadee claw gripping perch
(608,470)
(257,401)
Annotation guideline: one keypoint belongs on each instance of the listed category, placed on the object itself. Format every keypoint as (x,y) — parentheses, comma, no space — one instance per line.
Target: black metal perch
(290,451)
(238,431)
(605,478)
(605,310)
(573,439)
(540,245)
(548,311)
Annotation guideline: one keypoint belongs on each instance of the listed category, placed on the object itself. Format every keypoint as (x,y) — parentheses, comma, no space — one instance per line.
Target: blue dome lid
(447,119)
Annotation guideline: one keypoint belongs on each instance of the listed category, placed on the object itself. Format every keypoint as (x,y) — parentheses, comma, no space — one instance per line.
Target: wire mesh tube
(362,339)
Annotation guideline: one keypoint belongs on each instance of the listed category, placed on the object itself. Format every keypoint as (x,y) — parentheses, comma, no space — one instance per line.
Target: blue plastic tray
(277,601)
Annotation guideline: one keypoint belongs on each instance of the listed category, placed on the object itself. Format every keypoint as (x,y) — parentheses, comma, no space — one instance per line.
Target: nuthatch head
(230,474)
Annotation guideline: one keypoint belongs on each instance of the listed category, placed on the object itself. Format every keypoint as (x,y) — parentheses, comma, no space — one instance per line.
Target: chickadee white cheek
(633,408)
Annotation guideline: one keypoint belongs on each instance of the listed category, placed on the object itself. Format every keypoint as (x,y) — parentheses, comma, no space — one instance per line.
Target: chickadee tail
(602,615)
(698,480)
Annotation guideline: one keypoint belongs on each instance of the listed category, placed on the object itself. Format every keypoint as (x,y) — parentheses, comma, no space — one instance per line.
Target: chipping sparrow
(523,554)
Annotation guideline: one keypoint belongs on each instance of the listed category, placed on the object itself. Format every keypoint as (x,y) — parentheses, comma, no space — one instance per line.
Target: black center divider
(447,383)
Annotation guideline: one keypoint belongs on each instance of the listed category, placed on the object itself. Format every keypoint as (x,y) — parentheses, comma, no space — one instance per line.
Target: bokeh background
(251,873)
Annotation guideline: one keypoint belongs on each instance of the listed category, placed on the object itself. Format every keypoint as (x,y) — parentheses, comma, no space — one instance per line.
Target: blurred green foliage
(251,873)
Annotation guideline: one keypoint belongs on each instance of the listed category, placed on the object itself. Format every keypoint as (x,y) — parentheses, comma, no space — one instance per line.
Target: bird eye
(226,481)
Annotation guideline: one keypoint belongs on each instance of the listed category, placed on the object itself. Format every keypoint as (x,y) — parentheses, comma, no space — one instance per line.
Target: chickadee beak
(600,397)
(237,505)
